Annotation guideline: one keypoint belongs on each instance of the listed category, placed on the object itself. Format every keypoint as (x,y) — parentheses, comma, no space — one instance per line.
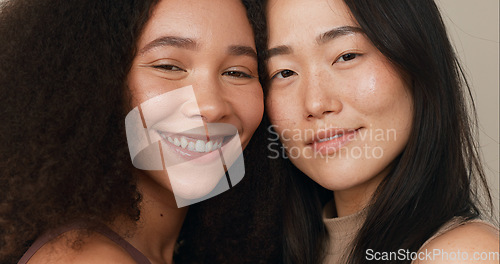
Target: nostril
(311,116)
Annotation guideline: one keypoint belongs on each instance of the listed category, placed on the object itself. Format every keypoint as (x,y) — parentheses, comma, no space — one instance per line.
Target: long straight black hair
(437,177)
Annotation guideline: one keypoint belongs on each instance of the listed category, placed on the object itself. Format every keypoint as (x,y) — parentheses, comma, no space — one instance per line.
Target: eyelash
(281,73)
(342,58)
(169,67)
(237,74)
(173,68)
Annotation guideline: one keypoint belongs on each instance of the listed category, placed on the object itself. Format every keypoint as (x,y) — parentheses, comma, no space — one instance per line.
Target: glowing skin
(208,45)
(334,94)
(220,65)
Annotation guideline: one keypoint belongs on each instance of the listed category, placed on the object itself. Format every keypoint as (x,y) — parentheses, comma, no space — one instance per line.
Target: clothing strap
(101,229)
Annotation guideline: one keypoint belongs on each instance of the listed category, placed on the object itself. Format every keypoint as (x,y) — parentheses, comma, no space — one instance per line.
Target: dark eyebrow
(337,32)
(238,50)
(185,43)
(321,39)
(279,50)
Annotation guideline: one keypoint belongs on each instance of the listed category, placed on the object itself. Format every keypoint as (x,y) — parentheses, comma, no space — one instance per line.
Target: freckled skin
(365,92)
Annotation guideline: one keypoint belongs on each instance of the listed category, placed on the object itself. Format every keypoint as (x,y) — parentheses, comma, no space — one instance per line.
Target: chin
(336,181)
(194,183)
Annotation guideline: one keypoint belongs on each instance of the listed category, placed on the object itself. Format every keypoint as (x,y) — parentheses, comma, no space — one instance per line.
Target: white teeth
(177,142)
(208,146)
(200,146)
(184,142)
(330,138)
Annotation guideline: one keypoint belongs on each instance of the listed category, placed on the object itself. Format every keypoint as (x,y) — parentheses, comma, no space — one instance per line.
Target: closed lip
(323,135)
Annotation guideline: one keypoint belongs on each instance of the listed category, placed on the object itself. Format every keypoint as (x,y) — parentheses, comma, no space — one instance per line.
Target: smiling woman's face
(196,66)
(342,109)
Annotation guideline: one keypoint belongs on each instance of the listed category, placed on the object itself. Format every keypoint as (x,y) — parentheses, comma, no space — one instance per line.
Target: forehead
(202,20)
(292,20)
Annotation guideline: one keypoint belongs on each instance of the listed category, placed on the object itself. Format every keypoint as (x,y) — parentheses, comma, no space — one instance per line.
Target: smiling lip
(188,147)
(327,142)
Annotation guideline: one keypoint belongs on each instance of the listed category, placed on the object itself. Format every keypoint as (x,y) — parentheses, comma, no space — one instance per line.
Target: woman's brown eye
(347,57)
(283,74)
(237,74)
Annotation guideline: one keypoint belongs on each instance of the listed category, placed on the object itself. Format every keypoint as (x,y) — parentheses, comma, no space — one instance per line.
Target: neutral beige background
(474,29)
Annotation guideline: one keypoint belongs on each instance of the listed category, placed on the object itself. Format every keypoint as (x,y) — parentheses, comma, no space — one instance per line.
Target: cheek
(157,100)
(253,113)
(250,109)
(279,110)
(380,93)
(282,118)
(142,87)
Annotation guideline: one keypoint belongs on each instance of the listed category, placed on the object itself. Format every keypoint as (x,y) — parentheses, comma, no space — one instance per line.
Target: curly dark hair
(63,151)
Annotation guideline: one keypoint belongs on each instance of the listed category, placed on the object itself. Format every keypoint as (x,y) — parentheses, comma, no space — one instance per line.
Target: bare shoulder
(94,248)
(470,243)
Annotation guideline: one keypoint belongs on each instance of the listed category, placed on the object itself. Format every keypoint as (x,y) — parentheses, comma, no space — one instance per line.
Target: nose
(210,103)
(320,96)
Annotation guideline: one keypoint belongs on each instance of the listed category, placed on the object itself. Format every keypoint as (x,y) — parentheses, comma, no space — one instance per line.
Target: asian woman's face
(342,110)
(195,82)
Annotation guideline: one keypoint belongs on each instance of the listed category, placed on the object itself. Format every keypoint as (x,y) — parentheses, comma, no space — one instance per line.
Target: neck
(348,202)
(355,199)
(160,222)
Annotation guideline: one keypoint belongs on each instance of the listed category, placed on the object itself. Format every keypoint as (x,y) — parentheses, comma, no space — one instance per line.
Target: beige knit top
(343,230)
